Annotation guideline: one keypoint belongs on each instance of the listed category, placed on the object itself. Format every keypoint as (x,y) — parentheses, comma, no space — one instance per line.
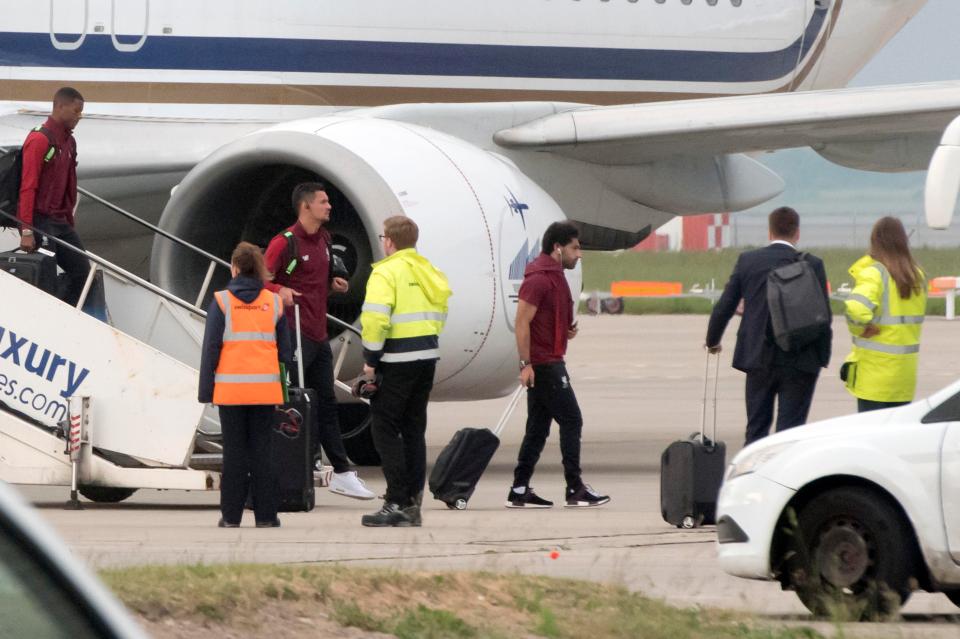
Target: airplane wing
(893,128)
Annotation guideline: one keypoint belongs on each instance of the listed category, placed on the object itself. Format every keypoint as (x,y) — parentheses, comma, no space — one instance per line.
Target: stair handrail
(111,267)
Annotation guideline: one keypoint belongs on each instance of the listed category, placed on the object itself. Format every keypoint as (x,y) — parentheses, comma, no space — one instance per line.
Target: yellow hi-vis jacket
(404,310)
(883,368)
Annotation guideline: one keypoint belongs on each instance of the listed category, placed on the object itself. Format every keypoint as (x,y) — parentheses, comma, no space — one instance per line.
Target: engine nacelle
(481,221)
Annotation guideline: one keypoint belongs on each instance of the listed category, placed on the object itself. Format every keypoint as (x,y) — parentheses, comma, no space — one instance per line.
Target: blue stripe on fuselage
(413,58)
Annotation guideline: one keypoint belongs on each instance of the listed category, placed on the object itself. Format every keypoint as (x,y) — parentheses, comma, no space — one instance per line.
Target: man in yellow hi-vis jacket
(881,370)
(403,313)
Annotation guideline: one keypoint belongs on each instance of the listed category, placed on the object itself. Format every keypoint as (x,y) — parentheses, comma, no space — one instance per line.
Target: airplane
(484,122)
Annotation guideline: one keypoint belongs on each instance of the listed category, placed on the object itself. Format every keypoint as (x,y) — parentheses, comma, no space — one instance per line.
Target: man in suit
(772,374)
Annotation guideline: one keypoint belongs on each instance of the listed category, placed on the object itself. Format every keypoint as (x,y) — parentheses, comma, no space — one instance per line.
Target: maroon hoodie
(545,287)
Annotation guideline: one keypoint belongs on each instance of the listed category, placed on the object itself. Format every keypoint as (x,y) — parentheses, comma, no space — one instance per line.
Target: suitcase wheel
(690,522)
(460,504)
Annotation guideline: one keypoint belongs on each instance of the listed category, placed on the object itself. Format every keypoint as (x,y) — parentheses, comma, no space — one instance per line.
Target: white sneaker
(349,484)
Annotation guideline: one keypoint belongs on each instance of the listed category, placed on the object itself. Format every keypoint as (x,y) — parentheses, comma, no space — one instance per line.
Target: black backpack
(11,171)
(291,258)
(799,312)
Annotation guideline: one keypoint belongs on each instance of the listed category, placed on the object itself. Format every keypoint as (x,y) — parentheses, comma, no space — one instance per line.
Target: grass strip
(418,605)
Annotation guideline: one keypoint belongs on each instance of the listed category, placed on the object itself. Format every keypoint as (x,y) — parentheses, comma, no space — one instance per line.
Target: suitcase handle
(710,443)
(511,406)
(299,351)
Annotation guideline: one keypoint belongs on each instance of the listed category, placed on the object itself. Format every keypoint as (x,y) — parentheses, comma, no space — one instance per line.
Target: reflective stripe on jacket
(249,368)
(404,310)
(883,368)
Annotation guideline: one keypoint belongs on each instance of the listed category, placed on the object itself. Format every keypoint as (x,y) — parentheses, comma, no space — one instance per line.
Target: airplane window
(32,603)
(686,1)
(736,3)
(712,3)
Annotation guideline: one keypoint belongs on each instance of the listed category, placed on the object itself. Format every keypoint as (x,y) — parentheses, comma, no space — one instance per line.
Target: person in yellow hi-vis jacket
(403,313)
(885,315)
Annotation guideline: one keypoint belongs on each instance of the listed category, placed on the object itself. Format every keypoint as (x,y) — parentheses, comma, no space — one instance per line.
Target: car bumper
(748,509)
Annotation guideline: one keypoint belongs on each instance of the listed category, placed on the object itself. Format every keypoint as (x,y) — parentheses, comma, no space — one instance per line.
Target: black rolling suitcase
(293,443)
(461,463)
(691,470)
(38,268)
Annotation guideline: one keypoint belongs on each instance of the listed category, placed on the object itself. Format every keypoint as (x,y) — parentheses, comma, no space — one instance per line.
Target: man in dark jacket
(544,324)
(772,374)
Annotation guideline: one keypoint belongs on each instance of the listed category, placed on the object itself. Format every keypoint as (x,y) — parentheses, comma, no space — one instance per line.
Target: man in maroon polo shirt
(305,277)
(48,190)
(544,324)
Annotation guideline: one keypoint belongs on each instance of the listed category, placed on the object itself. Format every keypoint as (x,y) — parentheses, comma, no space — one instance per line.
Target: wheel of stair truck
(953,596)
(106,494)
(357,435)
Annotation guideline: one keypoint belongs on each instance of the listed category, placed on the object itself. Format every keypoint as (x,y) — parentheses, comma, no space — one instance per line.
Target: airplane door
(68,23)
(129,23)
(816,25)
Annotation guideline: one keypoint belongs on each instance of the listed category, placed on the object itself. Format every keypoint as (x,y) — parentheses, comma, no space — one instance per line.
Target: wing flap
(640,133)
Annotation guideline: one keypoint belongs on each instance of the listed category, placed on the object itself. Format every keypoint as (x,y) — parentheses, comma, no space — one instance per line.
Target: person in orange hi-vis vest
(244,342)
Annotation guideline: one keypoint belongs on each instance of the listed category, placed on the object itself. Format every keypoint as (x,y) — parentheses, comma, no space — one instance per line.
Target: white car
(44,591)
(858,510)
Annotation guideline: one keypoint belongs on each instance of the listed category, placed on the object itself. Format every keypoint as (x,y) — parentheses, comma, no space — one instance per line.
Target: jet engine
(481,221)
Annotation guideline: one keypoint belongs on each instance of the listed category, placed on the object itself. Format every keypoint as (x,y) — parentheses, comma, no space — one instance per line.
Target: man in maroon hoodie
(544,324)
(299,259)
(48,189)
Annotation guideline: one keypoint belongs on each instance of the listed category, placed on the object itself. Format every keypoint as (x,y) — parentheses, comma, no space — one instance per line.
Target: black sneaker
(226,524)
(585,497)
(389,515)
(526,499)
(269,524)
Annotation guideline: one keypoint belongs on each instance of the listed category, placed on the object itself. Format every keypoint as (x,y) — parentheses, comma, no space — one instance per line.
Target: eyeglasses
(381,236)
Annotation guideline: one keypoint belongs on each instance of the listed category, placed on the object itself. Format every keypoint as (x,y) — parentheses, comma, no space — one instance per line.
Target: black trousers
(790,388)
(75,266)
(318,371)
(865,405)
(247,453)
(399,425)
(551,398)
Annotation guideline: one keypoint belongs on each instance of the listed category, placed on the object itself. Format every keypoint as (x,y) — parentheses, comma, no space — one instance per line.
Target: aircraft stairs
(108,407)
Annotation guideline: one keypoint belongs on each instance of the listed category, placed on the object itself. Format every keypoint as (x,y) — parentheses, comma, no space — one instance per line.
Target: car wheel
(106,494)
(853,556)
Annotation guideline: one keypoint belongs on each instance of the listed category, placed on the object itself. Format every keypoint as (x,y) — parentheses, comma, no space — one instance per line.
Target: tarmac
(640,383)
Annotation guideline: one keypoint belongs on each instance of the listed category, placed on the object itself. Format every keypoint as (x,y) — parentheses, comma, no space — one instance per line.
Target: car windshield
(32,603)
(947,411)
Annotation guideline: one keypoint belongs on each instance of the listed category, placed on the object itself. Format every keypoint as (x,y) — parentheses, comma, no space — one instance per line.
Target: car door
(948,412)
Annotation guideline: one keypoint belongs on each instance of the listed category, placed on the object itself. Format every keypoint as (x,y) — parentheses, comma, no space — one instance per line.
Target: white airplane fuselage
(377,52)
(247,95)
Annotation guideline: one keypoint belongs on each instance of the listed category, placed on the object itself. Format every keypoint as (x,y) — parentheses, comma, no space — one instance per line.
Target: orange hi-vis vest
(249,368)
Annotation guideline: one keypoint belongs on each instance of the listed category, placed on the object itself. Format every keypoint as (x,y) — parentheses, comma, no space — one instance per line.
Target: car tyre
(853,557)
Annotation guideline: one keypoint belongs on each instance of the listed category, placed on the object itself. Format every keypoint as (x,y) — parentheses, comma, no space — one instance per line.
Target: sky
(925,50)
